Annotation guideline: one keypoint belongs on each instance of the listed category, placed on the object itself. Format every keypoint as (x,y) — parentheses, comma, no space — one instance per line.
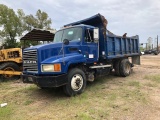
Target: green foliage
(134,83)
(40,20)
(155,78)
(141,49)
(27,43)
(5,112)
(28,102)
(9,43)
(84,116)
(13,24)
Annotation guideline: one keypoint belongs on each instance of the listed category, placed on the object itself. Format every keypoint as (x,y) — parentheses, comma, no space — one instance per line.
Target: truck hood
(72,58)
(47,50)
(51,45)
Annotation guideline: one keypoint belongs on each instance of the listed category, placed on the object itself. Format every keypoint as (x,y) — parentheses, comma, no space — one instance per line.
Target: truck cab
(47,65)
(79,39)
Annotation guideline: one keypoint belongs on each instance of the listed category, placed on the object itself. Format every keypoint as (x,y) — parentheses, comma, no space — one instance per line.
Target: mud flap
(136,60)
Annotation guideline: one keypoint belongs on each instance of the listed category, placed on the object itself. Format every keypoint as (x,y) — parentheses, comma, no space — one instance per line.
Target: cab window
(89,35)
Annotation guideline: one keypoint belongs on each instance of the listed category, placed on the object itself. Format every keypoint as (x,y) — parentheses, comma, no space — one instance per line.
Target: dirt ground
(150,66)
(136,97)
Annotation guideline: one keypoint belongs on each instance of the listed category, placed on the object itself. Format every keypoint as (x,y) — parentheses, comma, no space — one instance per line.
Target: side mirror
(66,41)
(96,34)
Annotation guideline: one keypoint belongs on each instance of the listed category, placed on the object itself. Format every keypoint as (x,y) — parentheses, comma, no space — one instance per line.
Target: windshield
(72,34)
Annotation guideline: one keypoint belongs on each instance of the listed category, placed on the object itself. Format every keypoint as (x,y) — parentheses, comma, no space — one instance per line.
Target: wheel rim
(127,68)
(77,82)
(8,69)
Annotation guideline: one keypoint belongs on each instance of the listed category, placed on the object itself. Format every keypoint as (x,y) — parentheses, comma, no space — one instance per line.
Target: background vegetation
(14,23)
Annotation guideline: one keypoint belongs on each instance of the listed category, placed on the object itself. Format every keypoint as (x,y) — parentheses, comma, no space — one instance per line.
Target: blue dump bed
(116,47)
(110,45)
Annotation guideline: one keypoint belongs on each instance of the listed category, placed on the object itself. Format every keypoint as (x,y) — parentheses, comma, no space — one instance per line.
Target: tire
(117,67)
(156,53)
(76,82)
(9,66)
(125,68)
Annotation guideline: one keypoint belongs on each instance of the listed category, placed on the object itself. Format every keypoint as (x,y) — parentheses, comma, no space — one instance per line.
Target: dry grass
(100,100)
(109,97)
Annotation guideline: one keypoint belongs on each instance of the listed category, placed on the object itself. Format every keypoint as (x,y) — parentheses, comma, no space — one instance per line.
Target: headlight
(47,68)
(51,68)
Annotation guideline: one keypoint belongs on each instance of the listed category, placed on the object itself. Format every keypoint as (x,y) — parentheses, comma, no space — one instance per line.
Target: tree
(11,25)
(41,20)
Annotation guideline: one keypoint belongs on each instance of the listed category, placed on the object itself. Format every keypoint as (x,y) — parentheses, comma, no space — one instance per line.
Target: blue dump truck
(80,52)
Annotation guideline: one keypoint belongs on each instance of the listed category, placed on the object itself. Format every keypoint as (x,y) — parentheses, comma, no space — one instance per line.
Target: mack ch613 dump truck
(80,52)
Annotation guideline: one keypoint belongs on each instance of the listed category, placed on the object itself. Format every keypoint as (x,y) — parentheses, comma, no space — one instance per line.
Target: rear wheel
(76,82)
(125,68)
(9,66)
(117,67)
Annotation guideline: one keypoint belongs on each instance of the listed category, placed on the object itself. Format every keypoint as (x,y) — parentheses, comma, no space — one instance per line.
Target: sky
(134,17)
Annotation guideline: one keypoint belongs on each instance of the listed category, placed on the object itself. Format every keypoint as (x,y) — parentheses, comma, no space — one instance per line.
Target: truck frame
(81,52)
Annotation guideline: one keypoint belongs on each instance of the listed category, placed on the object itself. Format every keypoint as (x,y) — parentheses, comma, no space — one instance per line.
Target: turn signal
(57,67)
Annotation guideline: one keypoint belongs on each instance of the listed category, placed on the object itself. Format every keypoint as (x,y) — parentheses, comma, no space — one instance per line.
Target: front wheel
(76,82)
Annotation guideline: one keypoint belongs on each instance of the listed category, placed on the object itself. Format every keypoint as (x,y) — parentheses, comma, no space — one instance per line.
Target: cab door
(90,48)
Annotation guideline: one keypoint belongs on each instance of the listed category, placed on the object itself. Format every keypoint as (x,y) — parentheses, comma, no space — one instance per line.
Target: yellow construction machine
(10,62)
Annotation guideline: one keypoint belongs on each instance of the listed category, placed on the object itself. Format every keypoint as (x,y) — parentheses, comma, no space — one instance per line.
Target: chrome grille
(30,61)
